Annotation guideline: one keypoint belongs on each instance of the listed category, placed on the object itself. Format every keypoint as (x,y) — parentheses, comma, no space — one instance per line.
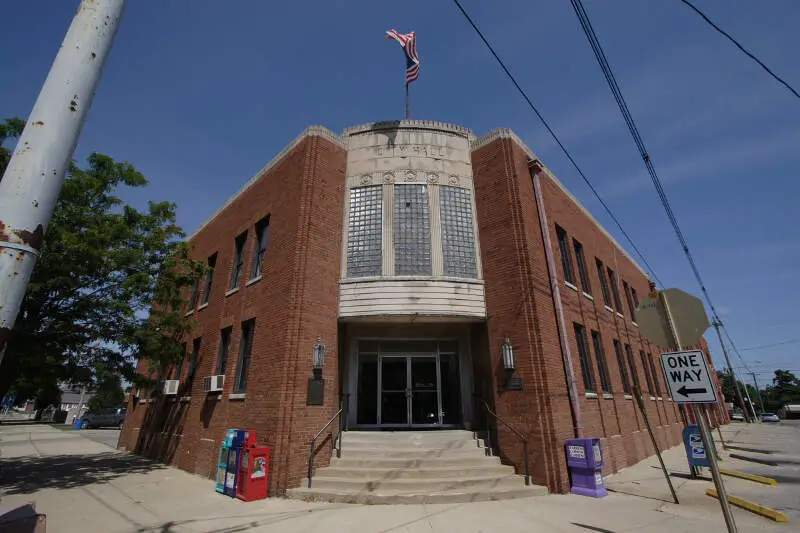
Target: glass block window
(458,237)
(364,232)
(412,231)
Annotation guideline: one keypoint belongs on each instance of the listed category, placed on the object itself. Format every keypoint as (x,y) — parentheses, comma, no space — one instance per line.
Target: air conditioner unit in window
(171,387)
(213,383)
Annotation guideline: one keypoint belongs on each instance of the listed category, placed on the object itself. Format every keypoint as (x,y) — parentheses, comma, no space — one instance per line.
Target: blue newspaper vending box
(230,456)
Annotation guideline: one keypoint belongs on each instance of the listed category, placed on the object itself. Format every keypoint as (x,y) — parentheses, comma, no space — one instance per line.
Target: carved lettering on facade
(410,150)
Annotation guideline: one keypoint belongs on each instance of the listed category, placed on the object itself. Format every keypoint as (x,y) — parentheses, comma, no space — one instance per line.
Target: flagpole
(408,112)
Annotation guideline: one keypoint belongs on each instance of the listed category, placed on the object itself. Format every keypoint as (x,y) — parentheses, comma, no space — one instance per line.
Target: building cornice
(429,125)
(311,131)
(506,133)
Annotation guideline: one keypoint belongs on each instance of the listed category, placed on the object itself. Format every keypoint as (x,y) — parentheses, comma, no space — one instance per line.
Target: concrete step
(385,497)
(478,470)
(421,485)
(373,461)
(414,453)
(452,444)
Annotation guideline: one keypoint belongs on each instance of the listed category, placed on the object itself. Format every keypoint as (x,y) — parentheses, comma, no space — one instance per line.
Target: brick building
(416,254)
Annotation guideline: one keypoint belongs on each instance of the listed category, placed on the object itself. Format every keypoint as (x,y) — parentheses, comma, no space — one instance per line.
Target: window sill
(591,395)
(633,322)
(186,399)
(620,315)
(202,306)
(628,397)
(254,280)
(571,286)
(608,396)
(660,399)
(189,313)
(588,296)
(232,291)
(607,308)
(653,398)
(238,396)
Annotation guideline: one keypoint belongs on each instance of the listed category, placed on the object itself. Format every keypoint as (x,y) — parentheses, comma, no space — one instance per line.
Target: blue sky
(200,94)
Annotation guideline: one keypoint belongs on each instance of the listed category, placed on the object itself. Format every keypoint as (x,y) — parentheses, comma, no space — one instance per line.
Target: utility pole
(730,371)
(34,177)
(758,393)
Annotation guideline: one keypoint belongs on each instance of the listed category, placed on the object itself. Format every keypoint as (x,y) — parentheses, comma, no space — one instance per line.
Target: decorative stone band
(409,176)
(431,125)
(311,131)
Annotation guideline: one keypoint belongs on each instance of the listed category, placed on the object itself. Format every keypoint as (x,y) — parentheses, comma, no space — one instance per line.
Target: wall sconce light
(318,360)
(508,355)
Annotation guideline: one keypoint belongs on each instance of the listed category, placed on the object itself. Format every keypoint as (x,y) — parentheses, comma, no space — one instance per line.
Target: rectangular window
(458,237)
(222,355)
(412,230)
(245,351)
(364,227)
(178,369)
(632,366)
(260,247)
(601,275)
(630,300)
(582,271)
(238,260)
(656,381)
(566,259)
(623,370)
(212,262)
(193,360)
(615,290)
(194,295)
(583,353)
(635,298)
(646,369)
(602,366)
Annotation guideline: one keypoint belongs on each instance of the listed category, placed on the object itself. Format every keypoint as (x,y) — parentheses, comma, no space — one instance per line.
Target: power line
(557,140)
(764,346)
(597,49)
(740,47)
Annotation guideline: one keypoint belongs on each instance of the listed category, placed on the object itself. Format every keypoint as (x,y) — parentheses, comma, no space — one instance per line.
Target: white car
(769,417)
(737,417)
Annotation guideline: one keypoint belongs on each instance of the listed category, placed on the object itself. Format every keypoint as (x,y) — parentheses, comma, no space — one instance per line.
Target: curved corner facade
(385,271)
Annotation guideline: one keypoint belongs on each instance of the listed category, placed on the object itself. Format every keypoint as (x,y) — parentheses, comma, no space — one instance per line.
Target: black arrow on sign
(686,392)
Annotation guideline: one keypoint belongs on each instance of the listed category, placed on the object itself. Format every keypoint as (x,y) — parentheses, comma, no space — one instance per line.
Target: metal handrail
(516,432)
(340,414)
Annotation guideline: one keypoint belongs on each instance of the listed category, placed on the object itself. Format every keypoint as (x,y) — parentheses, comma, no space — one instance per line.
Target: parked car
(738,417)
(769,417)
(108,417)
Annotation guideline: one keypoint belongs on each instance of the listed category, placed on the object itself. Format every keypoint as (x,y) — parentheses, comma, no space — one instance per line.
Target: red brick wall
(295,301)
(519,304)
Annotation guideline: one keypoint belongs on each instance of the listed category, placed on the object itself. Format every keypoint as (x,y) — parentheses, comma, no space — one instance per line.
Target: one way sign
(688,378)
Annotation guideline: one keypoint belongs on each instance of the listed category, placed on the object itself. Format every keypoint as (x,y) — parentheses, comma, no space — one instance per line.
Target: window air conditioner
(171,387)
(213,383)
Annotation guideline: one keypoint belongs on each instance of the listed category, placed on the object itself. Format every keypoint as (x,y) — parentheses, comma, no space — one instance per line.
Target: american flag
(409,43)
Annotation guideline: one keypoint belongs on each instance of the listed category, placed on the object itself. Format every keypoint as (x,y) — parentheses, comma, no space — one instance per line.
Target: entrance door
(410,391)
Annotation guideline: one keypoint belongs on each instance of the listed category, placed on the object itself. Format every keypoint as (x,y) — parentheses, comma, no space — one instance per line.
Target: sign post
(689,382)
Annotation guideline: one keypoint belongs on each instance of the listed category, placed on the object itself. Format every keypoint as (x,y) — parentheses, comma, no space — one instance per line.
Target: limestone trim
(432,125)
(311,131)
(507,133)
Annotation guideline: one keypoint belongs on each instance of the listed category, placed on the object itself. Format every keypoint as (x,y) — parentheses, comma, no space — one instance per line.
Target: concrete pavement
(83,486)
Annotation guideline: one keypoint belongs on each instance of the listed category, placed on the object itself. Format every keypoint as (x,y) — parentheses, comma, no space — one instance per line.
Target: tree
(103,265)
(728,388)
(108,392)
(11,128)
(785,389)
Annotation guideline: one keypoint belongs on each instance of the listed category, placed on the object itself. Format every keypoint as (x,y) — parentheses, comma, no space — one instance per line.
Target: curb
(753,459)
(749,477)
(766,512)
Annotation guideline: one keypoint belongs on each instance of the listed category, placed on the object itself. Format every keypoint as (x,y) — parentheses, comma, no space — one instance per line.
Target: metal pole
(408,109)
(705,435)
(730,371)
(758,393)
(32,182)
(640,401)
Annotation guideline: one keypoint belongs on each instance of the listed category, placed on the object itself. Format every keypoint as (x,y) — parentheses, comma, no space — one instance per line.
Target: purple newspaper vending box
(585,465)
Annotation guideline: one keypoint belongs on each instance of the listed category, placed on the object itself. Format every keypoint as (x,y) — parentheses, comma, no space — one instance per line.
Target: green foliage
(9,129)
(103,265)
(785,389)
(108,393)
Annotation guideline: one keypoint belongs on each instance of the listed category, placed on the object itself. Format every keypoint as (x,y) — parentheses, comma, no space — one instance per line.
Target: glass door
(424,391)
(394,391)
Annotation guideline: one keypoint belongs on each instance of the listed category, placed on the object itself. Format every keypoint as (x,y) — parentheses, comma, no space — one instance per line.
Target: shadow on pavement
(26,475)
(592,528)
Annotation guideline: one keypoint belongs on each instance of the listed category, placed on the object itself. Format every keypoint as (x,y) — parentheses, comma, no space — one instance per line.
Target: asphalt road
(108,436)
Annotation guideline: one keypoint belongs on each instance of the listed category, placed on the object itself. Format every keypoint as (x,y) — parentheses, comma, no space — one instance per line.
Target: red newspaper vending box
(253,474)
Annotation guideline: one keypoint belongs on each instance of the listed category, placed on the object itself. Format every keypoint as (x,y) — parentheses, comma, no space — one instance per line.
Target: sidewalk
(82,486)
